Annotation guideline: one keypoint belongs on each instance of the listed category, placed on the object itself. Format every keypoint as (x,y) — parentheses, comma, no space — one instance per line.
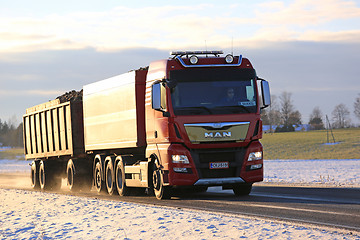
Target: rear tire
(99,183)
(48,178)
(78,176)
(242,189)
(110,178)
(122,189)
(34,175)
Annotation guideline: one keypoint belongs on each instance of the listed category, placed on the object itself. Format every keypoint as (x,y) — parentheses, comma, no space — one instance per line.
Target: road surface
(324,206)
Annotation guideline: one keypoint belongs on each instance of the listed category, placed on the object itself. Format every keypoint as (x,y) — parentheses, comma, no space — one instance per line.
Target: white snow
(37,215)
(341,173)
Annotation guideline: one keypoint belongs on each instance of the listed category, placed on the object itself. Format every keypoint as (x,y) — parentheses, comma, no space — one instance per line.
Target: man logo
(217,134)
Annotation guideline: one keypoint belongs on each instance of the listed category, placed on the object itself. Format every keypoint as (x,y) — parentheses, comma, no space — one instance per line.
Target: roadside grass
(12,153)
(312,145)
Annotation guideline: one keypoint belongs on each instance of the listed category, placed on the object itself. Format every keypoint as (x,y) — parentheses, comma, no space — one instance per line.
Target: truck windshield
(213,91)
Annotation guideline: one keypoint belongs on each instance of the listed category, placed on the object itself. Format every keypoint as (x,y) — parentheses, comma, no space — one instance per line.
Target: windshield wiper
(196,107)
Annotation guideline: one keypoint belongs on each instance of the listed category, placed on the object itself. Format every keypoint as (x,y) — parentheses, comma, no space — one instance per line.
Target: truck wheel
(161,191)
(47,178)
(242,189)
(122,189)
(110,178)
(34,175)
(99,183)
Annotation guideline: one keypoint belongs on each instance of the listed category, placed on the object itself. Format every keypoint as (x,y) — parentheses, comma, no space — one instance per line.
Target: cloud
(306,12)
(178,27)
(35,92)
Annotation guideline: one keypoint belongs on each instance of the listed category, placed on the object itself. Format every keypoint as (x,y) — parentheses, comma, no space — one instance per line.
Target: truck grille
(203,158)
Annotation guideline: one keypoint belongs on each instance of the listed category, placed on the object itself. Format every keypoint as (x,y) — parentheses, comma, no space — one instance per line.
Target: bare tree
(316,121)
(340,116)
(289,116)
(357,107)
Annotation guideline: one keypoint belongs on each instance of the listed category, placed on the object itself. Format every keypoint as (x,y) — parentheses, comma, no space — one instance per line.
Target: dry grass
(12,153)
(311,145)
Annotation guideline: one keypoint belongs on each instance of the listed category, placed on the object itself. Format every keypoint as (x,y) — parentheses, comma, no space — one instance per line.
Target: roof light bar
(192,65)
(182,53)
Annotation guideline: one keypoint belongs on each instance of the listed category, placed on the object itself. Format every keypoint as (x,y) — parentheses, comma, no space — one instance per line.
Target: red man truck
(187,122)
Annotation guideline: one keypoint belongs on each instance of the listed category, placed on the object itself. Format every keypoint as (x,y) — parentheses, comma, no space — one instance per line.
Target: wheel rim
(119,180)
(70,177)
(156,179)
(109,178)
(98,179)
(42,176)
(33,177)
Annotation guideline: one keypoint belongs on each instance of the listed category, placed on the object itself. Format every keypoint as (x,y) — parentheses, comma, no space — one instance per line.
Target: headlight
(255,156)
(180,159)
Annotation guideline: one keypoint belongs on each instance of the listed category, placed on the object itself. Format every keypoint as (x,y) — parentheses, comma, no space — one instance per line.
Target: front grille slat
(203,158)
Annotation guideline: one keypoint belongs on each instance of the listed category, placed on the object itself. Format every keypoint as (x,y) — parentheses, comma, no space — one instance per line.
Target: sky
(309,48)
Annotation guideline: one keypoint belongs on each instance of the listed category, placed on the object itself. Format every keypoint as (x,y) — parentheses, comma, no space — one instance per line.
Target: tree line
(10,134)
(284,116)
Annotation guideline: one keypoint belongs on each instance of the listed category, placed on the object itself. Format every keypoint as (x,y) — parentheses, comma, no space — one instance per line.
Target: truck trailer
(182,124)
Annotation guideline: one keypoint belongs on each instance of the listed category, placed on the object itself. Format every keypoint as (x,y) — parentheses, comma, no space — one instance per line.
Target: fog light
(256,166)
(255,156)
(229,58)
(180,159)
(180,170)
(194,59)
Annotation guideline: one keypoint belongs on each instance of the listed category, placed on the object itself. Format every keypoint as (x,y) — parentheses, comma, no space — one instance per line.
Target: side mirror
(158,97)
(265,92)
(171,83)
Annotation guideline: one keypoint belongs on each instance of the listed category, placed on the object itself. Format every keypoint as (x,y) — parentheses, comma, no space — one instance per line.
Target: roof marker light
(229,58)
(194,59)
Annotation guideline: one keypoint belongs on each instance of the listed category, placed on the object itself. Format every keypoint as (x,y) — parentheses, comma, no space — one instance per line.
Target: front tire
(242,189)
(161,191)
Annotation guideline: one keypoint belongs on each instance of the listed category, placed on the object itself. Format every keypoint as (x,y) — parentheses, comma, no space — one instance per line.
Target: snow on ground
(37,215)
(341,173)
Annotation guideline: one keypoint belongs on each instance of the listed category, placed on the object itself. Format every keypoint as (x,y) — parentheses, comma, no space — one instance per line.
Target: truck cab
(203,122)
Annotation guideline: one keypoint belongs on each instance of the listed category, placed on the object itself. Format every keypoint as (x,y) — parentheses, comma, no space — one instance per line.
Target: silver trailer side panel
(111,115)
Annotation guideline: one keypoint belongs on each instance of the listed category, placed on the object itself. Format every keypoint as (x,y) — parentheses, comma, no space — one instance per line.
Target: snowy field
(36,215)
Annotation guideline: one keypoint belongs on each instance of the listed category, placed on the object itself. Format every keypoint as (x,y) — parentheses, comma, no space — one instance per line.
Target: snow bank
(37,215)
(344,172)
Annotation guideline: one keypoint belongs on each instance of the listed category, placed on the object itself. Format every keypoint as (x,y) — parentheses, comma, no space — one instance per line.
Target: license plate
(219,165)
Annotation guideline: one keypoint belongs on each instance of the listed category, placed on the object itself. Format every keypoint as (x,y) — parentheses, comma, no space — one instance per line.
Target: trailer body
(114,112)
(53,129)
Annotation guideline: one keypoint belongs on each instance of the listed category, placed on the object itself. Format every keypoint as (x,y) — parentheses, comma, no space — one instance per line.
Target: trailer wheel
(110,178)
(48,178)
(99,183)
(34,175)
(122,189)
(71,176)
(161,191)
(242,189)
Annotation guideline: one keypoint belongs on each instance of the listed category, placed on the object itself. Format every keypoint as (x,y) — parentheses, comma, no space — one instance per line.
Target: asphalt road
(333,207)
